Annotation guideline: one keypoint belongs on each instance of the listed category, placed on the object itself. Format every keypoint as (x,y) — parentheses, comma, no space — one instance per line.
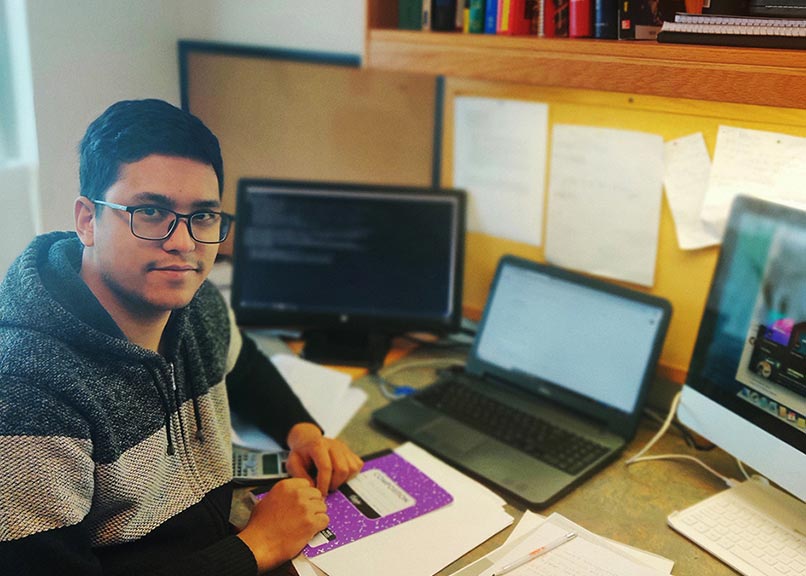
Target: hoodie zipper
(172,377)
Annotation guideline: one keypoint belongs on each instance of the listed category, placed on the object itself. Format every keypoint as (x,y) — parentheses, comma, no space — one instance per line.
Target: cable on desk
(395,391)
(689,438)
(639,456)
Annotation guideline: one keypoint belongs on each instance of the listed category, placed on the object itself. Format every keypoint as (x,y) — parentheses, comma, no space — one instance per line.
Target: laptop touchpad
(444,435)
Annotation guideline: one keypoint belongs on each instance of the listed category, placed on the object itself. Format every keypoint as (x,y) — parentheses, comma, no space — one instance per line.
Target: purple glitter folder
(388,491)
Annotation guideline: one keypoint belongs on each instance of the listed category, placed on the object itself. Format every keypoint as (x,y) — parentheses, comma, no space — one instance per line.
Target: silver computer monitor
(746,386)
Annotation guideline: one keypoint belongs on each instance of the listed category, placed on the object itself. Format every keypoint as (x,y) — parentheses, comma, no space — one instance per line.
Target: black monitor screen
(356,258)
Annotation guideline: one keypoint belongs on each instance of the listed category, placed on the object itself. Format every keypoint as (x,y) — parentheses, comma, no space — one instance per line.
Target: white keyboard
(756,529)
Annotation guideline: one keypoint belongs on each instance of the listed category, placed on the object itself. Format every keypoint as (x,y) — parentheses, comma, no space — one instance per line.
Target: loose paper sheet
(500,160)
(688,168)
(756,163)
(604,202)
(587,555)
(326,393)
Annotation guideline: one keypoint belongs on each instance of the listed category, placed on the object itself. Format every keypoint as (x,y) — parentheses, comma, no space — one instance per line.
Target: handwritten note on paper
(605,190)
(688,168)
(756,163)
(500,159)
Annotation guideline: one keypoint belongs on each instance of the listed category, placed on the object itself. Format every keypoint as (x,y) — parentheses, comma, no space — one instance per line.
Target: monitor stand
(346,347)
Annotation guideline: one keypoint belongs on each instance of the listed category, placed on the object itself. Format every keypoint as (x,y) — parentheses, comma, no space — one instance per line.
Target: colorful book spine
(515,17)
(475,17)
(579,19)
(553,21)
(491,16)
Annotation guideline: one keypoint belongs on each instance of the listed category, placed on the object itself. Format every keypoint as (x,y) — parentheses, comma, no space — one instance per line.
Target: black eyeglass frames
(157,223)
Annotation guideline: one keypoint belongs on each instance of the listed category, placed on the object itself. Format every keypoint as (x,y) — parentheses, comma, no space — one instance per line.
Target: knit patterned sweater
(115,459)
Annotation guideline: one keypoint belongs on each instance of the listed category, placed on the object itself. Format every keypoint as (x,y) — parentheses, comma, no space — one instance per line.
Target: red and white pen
(535,553)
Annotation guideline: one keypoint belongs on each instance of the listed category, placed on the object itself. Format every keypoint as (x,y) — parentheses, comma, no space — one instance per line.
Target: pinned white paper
(766,165)
(604,204)
(500,160)
(688,168)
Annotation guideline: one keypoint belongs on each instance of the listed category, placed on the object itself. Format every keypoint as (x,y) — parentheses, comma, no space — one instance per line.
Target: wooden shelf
(757,76)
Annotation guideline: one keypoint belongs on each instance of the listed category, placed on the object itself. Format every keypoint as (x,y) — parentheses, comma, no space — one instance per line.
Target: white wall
(87,54)
(334,26)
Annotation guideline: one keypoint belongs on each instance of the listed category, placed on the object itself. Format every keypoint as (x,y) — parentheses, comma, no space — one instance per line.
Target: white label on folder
(376,495)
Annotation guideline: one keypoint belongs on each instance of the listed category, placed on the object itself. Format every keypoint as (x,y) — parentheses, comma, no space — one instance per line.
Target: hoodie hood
(43,292)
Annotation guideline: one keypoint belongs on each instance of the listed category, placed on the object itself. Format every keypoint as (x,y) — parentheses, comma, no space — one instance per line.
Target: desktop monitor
(746,386)
(349,264)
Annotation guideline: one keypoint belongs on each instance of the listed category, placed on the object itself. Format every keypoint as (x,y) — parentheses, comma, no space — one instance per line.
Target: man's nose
(180,238)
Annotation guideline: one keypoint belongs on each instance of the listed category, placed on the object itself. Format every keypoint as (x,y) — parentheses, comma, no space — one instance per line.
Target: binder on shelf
(410,14)
(728,30)
(735,40)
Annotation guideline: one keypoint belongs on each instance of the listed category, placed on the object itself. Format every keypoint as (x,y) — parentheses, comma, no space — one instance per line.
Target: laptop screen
(564,332)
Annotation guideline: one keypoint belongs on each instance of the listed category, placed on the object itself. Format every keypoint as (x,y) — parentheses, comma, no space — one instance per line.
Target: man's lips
(176,268)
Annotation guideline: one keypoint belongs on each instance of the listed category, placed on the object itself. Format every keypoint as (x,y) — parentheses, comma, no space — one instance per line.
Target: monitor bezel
(750,434)
(250,316)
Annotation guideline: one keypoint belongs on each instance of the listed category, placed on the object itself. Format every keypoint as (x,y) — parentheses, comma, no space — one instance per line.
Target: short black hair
(130,130)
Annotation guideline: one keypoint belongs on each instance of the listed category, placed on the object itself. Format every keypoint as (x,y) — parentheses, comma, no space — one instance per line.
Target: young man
(118,365)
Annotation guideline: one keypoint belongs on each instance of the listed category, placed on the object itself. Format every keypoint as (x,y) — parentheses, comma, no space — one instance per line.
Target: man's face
(148,278)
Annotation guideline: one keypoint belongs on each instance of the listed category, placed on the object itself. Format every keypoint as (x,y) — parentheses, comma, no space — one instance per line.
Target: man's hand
(284,521)
(333,462)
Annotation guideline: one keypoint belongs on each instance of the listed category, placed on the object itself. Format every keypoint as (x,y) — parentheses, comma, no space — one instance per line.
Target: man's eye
(152,212)
(205,218)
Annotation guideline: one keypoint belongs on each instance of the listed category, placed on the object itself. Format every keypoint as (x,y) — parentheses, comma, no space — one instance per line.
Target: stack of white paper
(426,544)
(325,393)
(586,555)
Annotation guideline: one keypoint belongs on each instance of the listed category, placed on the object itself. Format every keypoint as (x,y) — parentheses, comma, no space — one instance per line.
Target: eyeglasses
(156,223)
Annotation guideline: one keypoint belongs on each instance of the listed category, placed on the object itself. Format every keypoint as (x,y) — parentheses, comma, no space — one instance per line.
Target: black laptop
(554,385)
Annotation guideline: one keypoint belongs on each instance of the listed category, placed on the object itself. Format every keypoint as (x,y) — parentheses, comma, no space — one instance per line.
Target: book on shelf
(579,18)
(553,19)
(491,17)
(788,8)
(426,8)
(642,19)
(724,30)
(410,14)
(605,19)
(515,17)
(475,16)
(443,14)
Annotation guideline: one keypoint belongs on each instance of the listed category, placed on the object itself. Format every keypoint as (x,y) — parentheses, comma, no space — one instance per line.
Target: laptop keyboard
(538,438)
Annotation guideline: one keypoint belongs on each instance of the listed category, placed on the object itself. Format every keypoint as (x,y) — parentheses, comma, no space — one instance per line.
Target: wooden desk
(628,504)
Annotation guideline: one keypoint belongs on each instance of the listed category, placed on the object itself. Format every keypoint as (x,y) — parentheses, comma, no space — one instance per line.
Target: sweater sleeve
(259,393)
(66,551)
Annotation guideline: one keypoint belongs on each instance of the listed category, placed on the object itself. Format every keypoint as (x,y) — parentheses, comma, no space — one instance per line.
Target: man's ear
(84,212)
